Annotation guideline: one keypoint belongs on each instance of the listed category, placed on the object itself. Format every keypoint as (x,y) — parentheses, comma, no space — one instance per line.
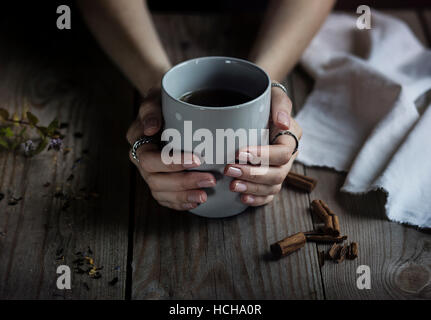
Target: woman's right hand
(170,184)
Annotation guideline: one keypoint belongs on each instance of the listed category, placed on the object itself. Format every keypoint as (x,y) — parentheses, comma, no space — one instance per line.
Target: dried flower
(28,147)
(55,144)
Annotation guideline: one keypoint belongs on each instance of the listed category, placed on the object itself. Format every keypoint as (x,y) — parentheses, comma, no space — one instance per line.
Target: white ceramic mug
(216,73)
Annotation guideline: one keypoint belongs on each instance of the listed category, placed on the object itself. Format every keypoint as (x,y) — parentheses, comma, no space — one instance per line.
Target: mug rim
(242,105)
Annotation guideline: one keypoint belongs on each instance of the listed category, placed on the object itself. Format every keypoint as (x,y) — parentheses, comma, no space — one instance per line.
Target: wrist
(152,79)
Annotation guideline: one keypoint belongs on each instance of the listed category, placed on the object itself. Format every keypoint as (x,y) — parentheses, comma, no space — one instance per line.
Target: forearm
(287,29)
(125,31)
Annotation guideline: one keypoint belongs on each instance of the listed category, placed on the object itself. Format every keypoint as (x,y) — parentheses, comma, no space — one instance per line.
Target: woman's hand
(258,189)
(170,185)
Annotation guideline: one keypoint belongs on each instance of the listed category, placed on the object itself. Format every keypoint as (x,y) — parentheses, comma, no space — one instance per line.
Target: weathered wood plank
(83,89)
(178,255)
(399,256)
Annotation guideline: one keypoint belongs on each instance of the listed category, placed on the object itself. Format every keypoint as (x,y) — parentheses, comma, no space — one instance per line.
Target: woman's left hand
(257,186)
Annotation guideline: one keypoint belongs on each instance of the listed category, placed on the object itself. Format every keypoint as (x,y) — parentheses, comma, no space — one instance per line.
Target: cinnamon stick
(318,209)
(336,225)
(333,252)
(288,245)
(325,238)
(352,251)
(301,182)
(342,254)
(330,220)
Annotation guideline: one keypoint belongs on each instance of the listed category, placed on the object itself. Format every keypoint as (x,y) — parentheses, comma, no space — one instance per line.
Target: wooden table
(157,253)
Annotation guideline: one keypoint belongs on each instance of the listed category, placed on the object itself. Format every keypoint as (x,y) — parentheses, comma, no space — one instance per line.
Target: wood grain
(182,256)
(399,256)
(83,89)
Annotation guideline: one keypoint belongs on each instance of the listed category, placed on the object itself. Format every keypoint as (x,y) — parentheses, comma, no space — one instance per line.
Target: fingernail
(234,172)
(240,187)
(206,183)
(189,205)
(248,199)
(283,118)
(151,123)
(196,163)
(195,198)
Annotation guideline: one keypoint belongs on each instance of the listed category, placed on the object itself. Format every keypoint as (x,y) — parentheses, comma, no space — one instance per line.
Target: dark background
(29,27)
(33,21)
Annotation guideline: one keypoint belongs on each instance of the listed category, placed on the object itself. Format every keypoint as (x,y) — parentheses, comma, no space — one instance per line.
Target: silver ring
(279,85)
(140,142)
(290,134)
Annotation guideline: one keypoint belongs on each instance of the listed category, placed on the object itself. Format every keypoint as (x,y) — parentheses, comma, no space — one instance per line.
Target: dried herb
(84,264)
(14,132)
(14,201)
(113,281)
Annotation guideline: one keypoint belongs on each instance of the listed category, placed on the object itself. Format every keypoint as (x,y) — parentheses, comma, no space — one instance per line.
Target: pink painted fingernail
(206,183)
(194,197)
(196,162)
(234,172)
(283,118)
(248,199)
(189,205)
(240,187)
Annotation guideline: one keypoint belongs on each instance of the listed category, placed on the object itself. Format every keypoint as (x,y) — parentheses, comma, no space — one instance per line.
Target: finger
(149,119)
(178,206)
(288,165)
(180,181)
(281,108)
(256,201)
(257,174)
(150,160)
(254,188)
(275,155)
(150,113)
(190,196)
(285,139)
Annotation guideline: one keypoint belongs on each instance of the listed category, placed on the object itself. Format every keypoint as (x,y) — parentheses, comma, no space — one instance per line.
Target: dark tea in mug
(215,97)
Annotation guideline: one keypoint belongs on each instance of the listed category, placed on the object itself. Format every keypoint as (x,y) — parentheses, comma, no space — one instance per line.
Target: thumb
(281,108)
(150,114)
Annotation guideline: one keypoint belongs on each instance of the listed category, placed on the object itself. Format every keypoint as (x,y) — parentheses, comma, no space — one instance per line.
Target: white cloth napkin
(369,112)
